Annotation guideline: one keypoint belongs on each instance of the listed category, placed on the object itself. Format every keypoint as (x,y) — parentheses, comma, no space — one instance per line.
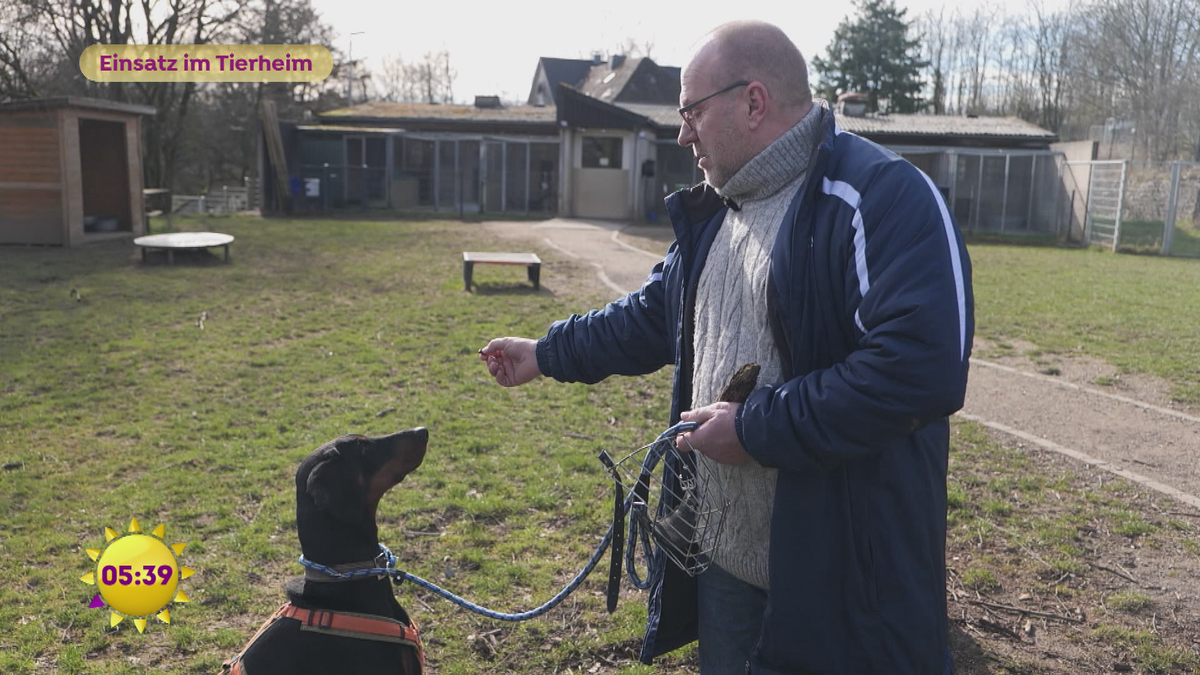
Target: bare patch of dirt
(1081,370)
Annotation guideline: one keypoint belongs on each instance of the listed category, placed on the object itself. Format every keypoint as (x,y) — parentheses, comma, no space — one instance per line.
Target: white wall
(601,193)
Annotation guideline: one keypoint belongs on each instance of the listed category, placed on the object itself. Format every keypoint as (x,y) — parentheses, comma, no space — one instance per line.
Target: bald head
(751,85)
(754,50)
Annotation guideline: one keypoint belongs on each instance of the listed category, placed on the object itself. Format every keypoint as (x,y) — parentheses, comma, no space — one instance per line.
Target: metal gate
(1104,202)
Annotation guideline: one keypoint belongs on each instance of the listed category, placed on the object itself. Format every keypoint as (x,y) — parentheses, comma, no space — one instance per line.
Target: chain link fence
(1003,192)
(418,173)
(225,200)
(1136,207)
(1162,208)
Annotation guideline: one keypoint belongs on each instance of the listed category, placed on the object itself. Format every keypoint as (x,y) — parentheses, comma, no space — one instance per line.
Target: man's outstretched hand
(512,361)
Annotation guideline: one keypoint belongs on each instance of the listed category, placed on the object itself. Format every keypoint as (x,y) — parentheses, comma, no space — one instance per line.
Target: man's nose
(687,135)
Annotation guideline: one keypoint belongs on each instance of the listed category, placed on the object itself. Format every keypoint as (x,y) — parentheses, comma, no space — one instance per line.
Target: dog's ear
(334,488)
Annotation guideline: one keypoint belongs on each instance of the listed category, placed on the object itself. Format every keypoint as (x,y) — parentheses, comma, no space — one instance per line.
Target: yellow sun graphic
(138,575)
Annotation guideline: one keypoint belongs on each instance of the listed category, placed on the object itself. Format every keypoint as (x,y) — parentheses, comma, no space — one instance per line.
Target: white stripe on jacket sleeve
(849,195)
(956,265)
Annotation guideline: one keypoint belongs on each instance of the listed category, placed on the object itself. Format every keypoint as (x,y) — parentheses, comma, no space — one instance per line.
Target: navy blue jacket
(870,296)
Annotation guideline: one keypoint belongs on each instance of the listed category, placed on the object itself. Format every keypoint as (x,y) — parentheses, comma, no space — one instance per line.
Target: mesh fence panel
(517,171)
(1105,193)
(1182,229)
(494,182)
(447,180)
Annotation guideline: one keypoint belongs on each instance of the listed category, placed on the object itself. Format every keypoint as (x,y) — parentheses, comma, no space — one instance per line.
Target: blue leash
(399,576)
(654,560)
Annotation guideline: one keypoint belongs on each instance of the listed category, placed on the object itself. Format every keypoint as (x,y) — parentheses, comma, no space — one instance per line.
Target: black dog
(331,625)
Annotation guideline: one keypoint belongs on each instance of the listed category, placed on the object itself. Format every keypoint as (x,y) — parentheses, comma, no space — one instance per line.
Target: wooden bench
(532,263)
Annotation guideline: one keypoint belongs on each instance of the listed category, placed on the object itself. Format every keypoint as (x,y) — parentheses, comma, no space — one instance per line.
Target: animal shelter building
(597,139)
(70,171)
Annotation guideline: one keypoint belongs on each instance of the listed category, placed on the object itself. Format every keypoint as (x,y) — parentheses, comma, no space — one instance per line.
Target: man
(835,266)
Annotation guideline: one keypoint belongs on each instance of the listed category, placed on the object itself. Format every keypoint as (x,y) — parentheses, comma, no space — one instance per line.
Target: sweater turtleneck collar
(779,164)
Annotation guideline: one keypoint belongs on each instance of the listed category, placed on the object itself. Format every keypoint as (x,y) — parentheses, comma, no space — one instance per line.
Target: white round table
(177,241)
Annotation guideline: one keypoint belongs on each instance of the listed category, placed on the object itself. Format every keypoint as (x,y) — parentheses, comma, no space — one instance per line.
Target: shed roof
(944,125)
(392,112)
(347,129)
(875,126)
(76,102)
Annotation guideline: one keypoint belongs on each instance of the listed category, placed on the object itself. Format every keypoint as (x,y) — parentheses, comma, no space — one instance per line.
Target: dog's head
(338,488)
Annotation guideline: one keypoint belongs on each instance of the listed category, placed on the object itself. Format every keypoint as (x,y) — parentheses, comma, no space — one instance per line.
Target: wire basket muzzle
(682,508)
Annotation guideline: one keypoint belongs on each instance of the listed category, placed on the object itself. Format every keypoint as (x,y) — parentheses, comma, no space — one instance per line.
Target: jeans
(731,613)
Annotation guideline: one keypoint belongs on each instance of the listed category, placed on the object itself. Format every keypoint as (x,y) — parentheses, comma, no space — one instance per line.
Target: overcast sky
(494,45)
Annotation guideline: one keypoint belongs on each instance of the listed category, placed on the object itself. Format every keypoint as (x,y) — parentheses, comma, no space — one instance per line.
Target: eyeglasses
(686,111)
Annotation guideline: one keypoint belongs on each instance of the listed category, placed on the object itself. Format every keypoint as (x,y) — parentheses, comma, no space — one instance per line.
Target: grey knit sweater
(732,329)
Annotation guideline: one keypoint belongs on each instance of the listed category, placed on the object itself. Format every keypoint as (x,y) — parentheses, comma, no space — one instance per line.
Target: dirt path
(620,266)
(1088,410)
(1079,407)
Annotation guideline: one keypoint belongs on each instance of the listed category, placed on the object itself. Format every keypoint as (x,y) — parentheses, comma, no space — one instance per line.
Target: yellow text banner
(206,63)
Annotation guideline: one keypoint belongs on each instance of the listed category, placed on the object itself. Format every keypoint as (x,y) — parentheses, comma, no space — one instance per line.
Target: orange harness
(345,624)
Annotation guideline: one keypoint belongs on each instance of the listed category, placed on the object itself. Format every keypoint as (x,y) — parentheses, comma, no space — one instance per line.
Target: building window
(601,152)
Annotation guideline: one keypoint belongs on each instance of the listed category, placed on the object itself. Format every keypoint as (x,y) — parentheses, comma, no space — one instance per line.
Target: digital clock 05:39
(138,575)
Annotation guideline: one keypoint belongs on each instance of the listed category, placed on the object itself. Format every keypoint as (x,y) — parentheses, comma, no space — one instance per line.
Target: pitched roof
(634,80)
(580,110)
(386,111)
(605,83)
(661,115)
(566,71)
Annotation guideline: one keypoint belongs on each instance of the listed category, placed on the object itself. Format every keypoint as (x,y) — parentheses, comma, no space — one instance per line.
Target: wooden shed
(70,171)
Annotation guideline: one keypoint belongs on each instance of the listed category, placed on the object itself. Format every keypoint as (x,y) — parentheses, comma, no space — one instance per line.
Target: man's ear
(759,99)
(334,489)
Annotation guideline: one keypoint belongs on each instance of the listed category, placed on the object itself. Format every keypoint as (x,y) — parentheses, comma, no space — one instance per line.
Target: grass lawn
(187,395)
(1140,313)
(1145,236)
(119,405)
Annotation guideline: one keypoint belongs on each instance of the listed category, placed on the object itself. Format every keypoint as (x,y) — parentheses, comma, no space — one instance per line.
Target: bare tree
(220,142)
(392,81)
(1134,60)
(1047,32)
(937,49)
(432,78)
(20,51)
(429,80)
(634,48)
(201,132)
(977,37)
(64,28)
